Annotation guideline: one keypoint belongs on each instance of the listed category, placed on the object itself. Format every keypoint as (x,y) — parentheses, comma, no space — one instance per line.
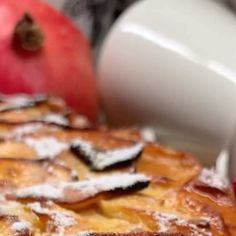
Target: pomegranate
(41,51)
(234,186)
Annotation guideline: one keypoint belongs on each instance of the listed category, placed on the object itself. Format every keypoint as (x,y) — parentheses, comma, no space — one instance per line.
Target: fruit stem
(27,34)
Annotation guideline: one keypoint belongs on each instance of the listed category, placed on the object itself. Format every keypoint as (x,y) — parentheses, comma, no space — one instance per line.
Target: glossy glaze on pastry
(62,177)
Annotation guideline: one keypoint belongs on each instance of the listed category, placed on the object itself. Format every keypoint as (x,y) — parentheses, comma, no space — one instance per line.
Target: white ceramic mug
(172,64)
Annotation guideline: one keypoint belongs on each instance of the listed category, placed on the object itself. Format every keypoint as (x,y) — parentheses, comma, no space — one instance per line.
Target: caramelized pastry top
(59,175)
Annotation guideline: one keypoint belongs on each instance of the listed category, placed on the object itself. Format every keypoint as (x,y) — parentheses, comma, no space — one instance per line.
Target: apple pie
(61,175)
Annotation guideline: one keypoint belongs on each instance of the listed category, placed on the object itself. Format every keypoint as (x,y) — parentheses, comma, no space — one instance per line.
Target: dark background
(94,17)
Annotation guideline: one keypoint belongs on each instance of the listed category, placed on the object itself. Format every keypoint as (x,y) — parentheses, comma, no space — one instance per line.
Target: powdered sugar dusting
(36,207)
(22,130)
(19,100)
(47,147)
(211,178)
(166,220)
(148,134)
(60,219)
(83,233)
(47,191)
(81,121)
(74,174)
(100,159)
(55,118)
(81,190)
(21,226)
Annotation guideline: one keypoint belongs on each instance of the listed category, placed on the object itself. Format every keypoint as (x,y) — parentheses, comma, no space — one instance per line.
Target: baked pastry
(61,176)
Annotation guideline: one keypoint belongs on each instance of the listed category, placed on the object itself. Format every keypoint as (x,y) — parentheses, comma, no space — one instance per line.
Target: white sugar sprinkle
(83,233)
(211,178)
(21,225)
(36,206)
(64,220)
(102,159)
(148,134)
(55,118)
(81,121)
(60,219)
(19,100)
(74,174)
(82,189)
(41,191)
(47,147)
(22,130)
(165,220)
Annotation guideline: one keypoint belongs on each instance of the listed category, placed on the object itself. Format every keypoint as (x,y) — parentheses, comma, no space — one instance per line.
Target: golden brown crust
(16,173)
(12,225)
(35,148)
(137,234)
